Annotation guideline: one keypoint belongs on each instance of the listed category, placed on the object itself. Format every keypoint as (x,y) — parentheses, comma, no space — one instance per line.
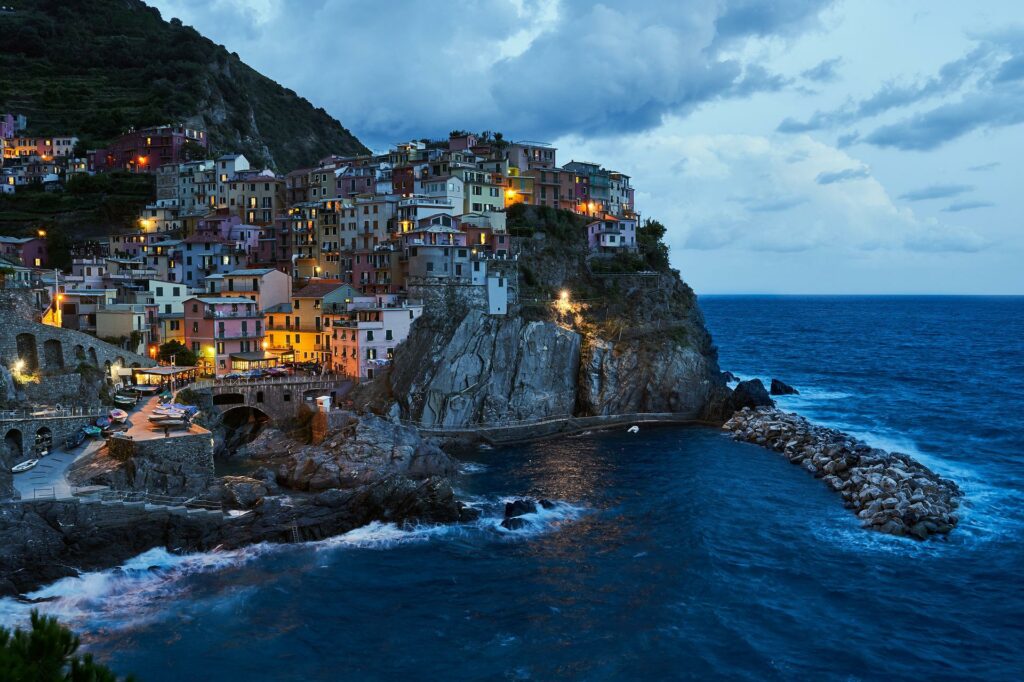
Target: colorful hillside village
(327,266)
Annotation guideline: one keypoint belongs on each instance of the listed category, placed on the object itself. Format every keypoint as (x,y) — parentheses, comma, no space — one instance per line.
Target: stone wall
(22,432)
(42,347)
(176,465)
(63,389)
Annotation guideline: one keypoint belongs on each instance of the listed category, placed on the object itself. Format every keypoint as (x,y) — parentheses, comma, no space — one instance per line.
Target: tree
(183,356)
(47,653)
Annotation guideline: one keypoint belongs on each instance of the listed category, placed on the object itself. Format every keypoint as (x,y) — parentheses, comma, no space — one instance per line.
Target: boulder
(751,393)
(515,510)
(782,388)
(243,492)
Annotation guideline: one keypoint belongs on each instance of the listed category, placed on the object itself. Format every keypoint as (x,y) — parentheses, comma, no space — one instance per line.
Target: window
(371,353)
(195,327)
(177,291)
(220,347)
(159,291)
(388,336)
(369,335)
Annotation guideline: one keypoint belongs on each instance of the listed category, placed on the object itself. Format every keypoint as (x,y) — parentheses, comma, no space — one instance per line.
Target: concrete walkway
(49,477)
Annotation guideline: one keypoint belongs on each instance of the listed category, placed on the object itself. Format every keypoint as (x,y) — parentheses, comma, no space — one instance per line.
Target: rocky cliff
(590,336)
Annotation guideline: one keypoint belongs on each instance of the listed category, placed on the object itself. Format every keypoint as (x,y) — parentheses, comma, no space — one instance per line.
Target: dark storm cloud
(824,72)
(936,192)
(967,206)
(589,68)
(844,175)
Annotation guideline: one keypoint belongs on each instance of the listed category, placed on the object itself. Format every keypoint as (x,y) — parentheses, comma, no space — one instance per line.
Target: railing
(52,413)
(330,378)
(155,499)
(514,423)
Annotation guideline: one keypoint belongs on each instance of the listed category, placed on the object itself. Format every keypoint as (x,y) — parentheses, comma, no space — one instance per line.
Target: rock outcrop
(43,541)
(782,388)
(750,393)
(360,450)
(889,491)
(486,370)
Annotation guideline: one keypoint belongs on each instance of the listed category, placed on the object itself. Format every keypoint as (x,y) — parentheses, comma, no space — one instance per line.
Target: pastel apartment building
(364,343)
(226,333)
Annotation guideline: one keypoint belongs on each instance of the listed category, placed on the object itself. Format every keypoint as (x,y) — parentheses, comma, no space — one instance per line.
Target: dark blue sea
(675,553)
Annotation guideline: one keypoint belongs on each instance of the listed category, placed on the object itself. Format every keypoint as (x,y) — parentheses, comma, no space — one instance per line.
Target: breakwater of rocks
(889,491)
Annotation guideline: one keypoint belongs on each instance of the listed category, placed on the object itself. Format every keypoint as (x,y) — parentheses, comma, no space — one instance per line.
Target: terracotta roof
(317,289)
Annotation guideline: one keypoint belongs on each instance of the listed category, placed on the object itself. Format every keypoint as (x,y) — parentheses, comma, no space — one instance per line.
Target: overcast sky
(858,146)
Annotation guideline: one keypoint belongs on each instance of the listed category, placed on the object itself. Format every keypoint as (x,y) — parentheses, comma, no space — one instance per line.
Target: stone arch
(13,444)
(229,399)
(53,354)
(79,353)
(93,360)
(27,351)
(243,424)
(44,440)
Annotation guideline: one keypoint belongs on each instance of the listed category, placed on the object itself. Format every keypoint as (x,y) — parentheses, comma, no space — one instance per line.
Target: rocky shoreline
(889,491)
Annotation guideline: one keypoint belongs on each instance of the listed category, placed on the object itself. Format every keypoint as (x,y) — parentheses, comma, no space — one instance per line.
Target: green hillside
(96,67)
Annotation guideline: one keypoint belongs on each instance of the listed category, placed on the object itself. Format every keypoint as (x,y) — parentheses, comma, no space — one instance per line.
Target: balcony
(232,314)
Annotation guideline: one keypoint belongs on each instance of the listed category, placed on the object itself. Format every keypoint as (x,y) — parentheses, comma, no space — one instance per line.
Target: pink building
(30,251)
(145,150)
(226,333)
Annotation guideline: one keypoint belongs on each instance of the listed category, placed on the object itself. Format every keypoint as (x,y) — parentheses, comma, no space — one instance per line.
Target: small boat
(118,416)
(633,429)
(172,422)
(124,400)
(74,440)
(103,422)
(24,466)
(92,431)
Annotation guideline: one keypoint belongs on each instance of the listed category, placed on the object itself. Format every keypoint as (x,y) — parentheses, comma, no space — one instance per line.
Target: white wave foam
(541,521)
(130,594)
(469,468)
(377,535)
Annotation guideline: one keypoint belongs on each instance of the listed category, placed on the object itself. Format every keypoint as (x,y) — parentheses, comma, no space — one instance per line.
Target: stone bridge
(278,398)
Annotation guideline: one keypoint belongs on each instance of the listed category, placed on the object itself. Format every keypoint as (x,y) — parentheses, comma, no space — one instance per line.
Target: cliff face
(486,370)
(626,340)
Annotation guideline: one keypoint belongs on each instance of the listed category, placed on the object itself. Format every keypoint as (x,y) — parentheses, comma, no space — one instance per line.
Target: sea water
(674,553)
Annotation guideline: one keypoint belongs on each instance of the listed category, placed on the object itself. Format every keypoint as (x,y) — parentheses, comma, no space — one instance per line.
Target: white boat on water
(633,429)
(24,466)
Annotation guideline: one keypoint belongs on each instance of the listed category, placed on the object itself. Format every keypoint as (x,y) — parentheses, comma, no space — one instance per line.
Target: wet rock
(782,388)
(515,510)
(243,492)
(750,394)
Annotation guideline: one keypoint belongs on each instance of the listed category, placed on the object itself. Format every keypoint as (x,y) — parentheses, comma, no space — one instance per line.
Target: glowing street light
(19,365)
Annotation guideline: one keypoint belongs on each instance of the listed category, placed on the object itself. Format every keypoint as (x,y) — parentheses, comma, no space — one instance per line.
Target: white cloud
(764,193)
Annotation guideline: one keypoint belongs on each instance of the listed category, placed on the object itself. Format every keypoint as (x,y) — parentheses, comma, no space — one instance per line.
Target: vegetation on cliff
(91,206)
(96,67)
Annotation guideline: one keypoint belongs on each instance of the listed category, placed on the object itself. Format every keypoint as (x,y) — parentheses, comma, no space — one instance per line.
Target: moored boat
(24,466)
(118,416)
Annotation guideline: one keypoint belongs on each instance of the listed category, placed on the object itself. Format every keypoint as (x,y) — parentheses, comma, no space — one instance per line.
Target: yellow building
(300,332)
